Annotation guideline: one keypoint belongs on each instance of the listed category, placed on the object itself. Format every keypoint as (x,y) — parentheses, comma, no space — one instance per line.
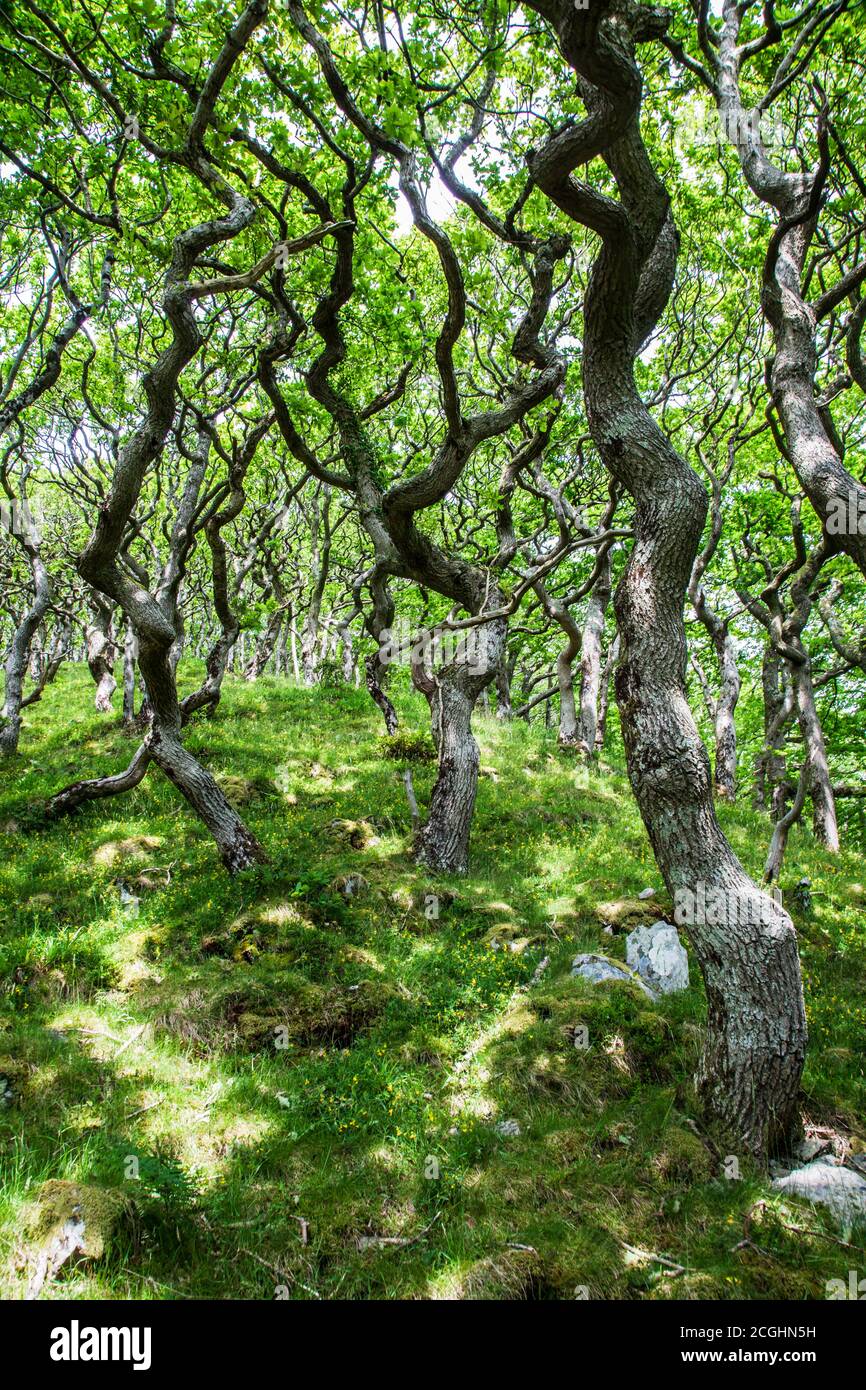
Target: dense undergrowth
(303,1064)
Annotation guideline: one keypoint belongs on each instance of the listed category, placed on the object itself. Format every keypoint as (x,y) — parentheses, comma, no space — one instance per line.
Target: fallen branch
(673,1270)
(374,1242)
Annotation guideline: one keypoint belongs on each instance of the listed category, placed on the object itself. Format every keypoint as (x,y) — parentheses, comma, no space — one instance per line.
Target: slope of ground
(301,1077)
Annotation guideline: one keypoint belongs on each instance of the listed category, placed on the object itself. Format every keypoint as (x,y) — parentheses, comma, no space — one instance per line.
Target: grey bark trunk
(100,650)
(770,773)
(443,843)
(321,558)
(824,820)
(19,648)
(590,659)
(377,623)
(264,647)
(130,654)
(779,841)
(568,731)
(756,1030)
(348,652)
(725,729)
(604,693)
(238,847)
(293,644)
(504,710)
(812,443)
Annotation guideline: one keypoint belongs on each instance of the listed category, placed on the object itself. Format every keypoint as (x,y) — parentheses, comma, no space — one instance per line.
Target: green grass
(157,1033)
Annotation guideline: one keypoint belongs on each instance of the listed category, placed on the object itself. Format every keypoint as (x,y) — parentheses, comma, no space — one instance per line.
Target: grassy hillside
(291,1066)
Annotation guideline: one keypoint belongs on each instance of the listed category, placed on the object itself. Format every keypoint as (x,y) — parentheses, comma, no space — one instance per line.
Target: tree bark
(778,712)
(13,407)
(810,439)
(154,614)
(568,729)
(264,647)
(344,631)
(320,564)
(378,623)
(779,841)
(824,820)
(130,655)
(604,694)
(560,613)
(100,649)
(504,710)
(590,659)
(785,620)
(163,745)
(756,1030)
(443,842)
(19,648)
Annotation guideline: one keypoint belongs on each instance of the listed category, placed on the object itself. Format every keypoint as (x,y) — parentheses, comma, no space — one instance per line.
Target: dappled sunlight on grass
(284,1061)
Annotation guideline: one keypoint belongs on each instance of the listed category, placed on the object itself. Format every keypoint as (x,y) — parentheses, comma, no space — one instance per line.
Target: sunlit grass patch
(304,1076)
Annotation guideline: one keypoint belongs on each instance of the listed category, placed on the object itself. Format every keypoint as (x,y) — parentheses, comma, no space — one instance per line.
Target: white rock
(508,1129)
(595,968)
(128,900)
(811,1148)
(646,893)
(659,957)
(840,1190)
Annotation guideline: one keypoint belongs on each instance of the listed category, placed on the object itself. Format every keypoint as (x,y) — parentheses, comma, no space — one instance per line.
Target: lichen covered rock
(67,1219)
(659,957)
(841,1191)
(599,969)
(101,1210)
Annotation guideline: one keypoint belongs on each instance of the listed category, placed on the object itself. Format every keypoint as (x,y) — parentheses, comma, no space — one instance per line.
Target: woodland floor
(149,1030)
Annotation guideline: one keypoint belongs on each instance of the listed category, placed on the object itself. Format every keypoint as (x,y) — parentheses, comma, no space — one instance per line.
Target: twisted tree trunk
(560,613)
(45,667)
(810,439)
(320,562)
(19,648)
(820,783)
(154,616)
(162,745)
(568,729)
(504,709)
(770,778)
(264,647)
(779,841)
(756,1031)
(25,530)
(722,706)
(443,842)
(347,649)
(725,764)
(100,650)
(785,621)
